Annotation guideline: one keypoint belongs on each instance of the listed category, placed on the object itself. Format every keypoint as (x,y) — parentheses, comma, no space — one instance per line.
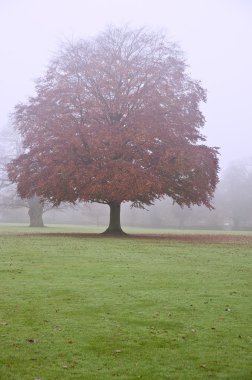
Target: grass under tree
(75,307)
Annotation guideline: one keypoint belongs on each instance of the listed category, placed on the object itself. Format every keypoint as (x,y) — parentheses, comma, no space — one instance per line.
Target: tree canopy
(115,119)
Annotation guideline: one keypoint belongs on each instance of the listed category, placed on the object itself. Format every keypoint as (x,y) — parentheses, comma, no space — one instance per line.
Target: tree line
(232,208)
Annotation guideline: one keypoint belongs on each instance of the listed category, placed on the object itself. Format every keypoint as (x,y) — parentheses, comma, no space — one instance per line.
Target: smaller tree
(36,210)
(234,196)
(11,147)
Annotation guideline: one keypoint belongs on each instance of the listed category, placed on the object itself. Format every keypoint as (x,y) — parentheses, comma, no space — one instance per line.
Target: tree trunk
(236,223)
(114,227)
(35,212)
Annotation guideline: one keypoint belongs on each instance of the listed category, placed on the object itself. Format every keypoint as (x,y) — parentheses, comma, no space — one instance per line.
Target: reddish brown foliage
(116,119)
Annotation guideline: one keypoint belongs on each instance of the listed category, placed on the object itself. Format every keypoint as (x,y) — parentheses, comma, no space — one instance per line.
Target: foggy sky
(216,36)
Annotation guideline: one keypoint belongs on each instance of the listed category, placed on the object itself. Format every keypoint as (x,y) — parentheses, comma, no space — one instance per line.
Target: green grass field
(75,307)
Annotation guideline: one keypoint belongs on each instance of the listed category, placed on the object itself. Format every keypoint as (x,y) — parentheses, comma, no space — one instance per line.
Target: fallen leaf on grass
(58,328)
(31,340)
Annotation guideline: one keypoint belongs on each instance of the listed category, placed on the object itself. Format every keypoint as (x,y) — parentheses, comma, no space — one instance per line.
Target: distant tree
(235,194)
(115,119)
(37,207)
(10,147)
(9,200)
(182,215)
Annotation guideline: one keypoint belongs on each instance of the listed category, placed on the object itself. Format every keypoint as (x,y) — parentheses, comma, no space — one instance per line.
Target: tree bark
(35,212)
(114,227)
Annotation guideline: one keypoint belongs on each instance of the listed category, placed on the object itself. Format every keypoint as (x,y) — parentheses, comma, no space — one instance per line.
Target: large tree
(116,119)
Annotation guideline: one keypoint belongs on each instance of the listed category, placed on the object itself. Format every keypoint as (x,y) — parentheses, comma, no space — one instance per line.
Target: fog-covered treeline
(232,202)
(232,208)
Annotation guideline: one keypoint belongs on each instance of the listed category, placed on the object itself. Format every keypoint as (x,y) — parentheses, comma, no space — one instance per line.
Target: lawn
(85,307)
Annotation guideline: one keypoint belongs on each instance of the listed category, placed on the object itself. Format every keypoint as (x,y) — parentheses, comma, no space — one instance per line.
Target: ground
(82,306)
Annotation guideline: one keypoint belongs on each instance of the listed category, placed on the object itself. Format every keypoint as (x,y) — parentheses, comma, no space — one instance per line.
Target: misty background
(216,37)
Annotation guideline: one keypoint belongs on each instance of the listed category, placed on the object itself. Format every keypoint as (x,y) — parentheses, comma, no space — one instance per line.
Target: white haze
(216,36)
